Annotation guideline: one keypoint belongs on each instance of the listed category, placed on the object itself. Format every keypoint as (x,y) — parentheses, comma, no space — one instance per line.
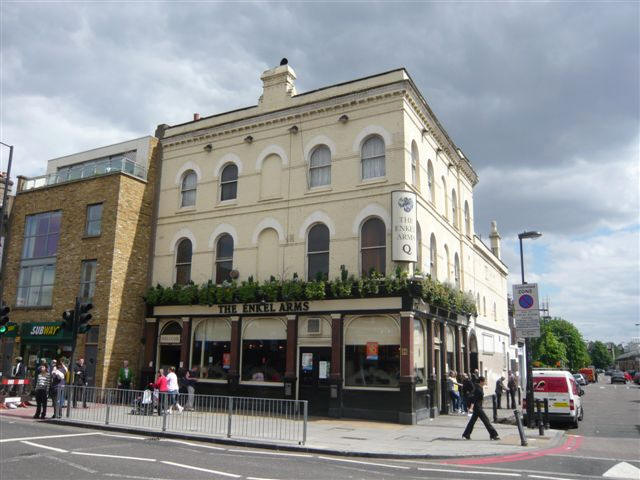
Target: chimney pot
(196,117)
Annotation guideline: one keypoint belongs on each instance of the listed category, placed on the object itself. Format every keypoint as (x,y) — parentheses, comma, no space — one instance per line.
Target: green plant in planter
(207,294)
(315,290)
(293,289)
(248,291)
(269,290)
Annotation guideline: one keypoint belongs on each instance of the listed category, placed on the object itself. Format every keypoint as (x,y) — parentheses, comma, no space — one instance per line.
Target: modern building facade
(300,186)
(82,230)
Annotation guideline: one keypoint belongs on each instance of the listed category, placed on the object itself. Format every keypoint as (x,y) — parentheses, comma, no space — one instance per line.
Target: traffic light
(67,318)
(84,318)
(4,318)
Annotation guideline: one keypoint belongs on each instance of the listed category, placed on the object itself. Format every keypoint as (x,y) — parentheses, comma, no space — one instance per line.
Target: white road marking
(258,478)
(623,470)
(548,478)
(363,463)
(123,436)
(191,444)
(71,464)
(503,474)
(44,446)
(272,453)
(190,467)
(593,458)
(4,440)
(88,454)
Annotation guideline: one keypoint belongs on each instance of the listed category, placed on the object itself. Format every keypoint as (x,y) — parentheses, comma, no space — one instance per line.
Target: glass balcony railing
(86,170)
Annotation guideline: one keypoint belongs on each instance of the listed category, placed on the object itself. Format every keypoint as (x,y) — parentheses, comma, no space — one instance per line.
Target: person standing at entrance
(125,380)
(43,379)
(452,389)
(19,372)
(477,396)
(173,390)
(512,386)
(79,383)
(499,389)
(190,378)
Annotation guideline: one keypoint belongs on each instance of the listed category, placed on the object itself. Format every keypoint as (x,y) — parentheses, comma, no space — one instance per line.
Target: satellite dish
(284,61)
(234,274)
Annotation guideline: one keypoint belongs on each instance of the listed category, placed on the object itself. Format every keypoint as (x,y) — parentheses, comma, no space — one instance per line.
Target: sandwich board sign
(526,310)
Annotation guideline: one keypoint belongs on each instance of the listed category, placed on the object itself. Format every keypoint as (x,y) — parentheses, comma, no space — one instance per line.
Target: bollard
(519,396)
(523,438)
(546,413)
(106,418)
(495,408)
(71,398)
(304,425)
(539,417)
(230,401)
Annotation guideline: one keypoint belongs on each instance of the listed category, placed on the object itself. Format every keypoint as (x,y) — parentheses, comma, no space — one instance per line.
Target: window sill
(270,199)
(227,203)
(211,380)
(262,384)
(373,181)
(185,210)
(320,189)
(84,237)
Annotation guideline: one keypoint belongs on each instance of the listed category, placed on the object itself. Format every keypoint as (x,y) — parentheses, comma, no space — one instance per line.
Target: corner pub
(270,222)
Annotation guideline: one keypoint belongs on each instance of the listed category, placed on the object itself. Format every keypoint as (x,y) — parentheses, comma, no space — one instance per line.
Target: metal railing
(215,415)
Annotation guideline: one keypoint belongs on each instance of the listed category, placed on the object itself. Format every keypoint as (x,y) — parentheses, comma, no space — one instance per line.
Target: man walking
(478,411)
(79,383)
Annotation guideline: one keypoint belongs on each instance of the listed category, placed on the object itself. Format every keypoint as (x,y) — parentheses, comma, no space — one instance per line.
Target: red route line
(573,443)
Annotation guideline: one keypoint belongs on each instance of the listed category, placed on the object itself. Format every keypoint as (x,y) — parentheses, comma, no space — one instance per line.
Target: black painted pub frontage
(382,358)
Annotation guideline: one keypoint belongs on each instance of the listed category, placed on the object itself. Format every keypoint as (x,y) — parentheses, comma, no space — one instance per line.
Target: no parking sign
(527,310)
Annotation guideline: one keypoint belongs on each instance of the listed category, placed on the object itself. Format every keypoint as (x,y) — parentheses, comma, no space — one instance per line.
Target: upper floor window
(320,167)
(41,234)
(373,246)
(454,208)
(318,252)
(456,270)
(430,183)
(445,197)
(448,259)
(188,189)
(229,182)
(93,227)
(224,258)
(183,262)
(373,158)
(495,312)
(467,219)
(415,166)
(433,257)
(88,280)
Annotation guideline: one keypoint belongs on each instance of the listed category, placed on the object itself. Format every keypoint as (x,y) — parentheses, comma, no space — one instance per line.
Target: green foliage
(600,355)
(569,336)
(549,351)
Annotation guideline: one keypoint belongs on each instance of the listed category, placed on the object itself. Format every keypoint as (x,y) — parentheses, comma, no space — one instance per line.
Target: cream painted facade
(271,145)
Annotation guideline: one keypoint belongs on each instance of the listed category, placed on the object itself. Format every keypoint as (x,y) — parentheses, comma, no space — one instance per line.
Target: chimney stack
(196,117)
(278,85)
(495,239)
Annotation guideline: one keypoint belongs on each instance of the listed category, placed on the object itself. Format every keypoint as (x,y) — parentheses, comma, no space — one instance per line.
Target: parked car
(618,377)
(580,379)
(589,373)
(563,393)
(608,372)
(636,378)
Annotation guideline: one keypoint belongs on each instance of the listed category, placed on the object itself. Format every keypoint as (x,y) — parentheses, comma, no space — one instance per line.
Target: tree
(600,356)
(569,336)
(549,351)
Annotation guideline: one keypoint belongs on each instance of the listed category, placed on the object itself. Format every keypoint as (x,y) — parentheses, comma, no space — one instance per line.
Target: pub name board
(267,307)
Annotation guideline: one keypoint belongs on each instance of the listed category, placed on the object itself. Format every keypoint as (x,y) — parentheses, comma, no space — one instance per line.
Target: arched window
(318,252)
(467,219)
(415,165)
(373,246)
(456,270)
(183,262)
(188,189)
(419,246)
(229,182)
(211,348)
(372,157)
(224,258)
(264,350)
(495,312)
(451,348)
(445,195)
(448,259)
(419,350)
(454,208)
(484,306)
(430,185)
(320,166)
(478,303)
(433,257)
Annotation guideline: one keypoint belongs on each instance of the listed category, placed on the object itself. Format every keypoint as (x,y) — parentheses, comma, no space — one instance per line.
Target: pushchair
(143,404)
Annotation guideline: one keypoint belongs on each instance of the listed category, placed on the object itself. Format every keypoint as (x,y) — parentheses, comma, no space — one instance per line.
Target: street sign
(527,310)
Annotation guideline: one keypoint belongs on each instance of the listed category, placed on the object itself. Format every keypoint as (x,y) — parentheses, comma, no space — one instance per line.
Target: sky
(543,98)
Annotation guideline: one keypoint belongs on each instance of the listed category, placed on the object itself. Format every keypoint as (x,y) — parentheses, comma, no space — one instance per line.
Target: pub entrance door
(313,374)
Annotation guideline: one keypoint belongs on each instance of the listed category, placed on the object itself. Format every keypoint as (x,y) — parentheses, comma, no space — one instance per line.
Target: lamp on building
(343,118)
(533,235)
(248,139)
(293,130)
(208,147)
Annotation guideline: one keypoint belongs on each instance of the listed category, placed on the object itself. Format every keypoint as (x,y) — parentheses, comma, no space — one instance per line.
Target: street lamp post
(3,212)
(527,341)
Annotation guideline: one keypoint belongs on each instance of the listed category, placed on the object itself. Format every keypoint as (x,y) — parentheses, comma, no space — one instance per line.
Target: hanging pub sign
(403,227)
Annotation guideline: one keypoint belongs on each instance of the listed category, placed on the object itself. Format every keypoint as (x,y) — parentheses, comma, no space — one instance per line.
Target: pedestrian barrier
(215,415)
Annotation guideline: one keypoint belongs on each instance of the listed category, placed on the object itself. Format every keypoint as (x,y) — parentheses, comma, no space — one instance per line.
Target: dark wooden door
(313,375)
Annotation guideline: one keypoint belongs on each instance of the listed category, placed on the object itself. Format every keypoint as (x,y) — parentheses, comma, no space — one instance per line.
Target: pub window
(320,167)
(373,158)
(419,357)
(456,270)
(94,220)
(373,246)
(454,208)
(183,262)
(264,350)
(448,260)
(318,252)
(430,183)
(433,257)
(372,352)
(415,166)
(451,348)
(188,189)
(224,258)
(467,219)
(88,280)
(229,182)
(211,348)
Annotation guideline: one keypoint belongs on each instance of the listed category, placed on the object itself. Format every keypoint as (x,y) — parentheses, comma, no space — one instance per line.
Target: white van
(562,392)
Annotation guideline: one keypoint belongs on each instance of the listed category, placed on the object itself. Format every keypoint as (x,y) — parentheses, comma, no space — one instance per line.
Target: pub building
(355,177)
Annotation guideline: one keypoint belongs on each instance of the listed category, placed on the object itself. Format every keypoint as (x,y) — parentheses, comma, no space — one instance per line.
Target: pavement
(438,438)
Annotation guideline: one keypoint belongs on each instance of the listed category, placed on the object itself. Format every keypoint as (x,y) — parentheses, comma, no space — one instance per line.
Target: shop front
(43,340)
(383,358)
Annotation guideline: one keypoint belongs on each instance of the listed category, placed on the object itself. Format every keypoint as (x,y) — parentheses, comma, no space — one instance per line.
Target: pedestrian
(452,389)
(63,366)
(173,390)
(80,383)
(161,386)
(499,389)
(466,391)
(43,380)
(477,397)
(57,389)
(512,388)
(125,381)
(191,377)
(19,372)
(475,375)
